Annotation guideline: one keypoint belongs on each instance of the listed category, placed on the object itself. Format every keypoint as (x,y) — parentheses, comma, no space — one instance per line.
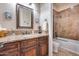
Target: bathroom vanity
(22,37)
(24,45)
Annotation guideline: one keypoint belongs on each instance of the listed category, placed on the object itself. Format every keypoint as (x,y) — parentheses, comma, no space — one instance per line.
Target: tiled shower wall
(66,23)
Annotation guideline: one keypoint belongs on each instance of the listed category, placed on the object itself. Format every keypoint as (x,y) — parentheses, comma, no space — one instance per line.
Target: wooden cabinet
(12,52)
(31,51)
(36,46)
(28,47)
(10,49)
(43,46)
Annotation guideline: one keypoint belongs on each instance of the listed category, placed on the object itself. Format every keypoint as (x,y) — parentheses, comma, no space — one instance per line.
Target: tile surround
(67,25)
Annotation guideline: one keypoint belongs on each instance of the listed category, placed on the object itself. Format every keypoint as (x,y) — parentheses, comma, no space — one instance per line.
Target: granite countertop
(13,38)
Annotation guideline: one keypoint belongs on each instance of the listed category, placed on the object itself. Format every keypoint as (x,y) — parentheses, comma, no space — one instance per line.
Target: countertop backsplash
(19,32)
(16,32)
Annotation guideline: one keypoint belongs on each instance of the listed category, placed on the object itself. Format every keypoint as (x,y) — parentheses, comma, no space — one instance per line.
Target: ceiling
(61,6)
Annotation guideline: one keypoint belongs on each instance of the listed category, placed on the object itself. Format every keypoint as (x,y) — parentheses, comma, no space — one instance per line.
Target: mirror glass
(24,17)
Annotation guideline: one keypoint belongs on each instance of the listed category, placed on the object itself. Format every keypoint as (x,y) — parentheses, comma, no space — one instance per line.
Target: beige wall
(11,23)
(67,23)
(5,22)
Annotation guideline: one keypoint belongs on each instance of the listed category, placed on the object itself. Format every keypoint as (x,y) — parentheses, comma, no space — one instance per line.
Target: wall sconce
(30,3)
(8,15)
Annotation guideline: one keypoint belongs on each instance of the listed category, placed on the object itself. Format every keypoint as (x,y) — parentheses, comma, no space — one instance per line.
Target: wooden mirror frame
(17,17)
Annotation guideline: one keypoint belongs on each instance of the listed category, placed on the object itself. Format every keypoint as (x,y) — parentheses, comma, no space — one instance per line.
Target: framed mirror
(24,16)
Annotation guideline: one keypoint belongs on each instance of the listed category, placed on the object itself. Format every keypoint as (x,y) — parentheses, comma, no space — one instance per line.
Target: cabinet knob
(1,45)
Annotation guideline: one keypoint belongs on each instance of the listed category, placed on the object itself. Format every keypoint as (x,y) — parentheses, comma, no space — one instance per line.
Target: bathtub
(67,44)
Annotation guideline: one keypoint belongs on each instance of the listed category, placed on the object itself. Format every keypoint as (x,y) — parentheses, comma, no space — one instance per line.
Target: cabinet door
(43,45)
(29,47)
(10,49)
(31,51)
(43,49)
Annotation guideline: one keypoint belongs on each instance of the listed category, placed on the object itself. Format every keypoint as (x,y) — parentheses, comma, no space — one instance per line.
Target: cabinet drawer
(8,46)
(43,39)
(12,52)
(29,42)
(12,45)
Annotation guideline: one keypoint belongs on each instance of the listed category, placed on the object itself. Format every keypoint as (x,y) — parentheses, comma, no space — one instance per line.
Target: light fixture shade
(7,15)
(30,3)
